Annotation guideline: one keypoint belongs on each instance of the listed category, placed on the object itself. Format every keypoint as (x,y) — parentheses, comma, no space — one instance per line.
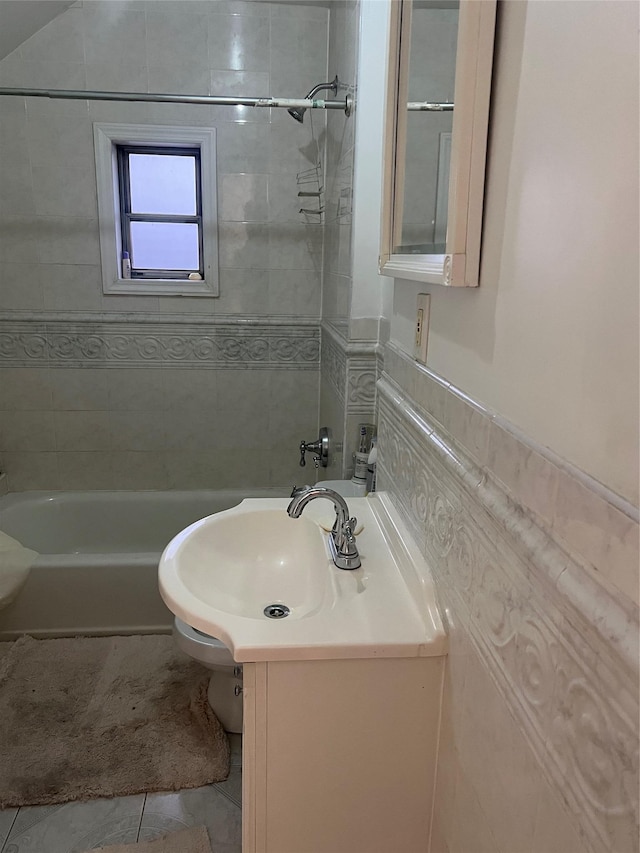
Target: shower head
(298,112)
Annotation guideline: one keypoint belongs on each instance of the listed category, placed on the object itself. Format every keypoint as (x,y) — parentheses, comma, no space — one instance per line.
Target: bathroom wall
(149,392)
(351,301)
(513,454)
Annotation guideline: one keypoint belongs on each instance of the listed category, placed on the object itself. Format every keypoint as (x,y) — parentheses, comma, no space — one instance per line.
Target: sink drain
(276,611)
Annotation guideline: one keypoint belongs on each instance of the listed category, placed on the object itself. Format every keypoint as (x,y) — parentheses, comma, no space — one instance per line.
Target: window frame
(107,139)
(127,216)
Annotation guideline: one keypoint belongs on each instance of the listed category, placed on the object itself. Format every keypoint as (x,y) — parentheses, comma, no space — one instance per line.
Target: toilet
(225,685)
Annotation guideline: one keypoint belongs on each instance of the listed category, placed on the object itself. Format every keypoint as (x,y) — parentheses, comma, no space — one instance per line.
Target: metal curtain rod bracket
(214,100)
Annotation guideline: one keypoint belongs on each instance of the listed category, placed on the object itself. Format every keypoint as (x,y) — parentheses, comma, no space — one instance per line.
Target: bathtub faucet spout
(342,540)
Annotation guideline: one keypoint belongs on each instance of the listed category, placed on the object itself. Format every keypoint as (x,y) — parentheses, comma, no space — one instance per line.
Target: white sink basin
(219,574)
(241,562)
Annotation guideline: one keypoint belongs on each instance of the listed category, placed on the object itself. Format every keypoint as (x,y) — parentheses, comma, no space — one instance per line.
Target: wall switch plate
(422,327)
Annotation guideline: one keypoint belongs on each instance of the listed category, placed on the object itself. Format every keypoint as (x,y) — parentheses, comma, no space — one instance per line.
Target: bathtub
(97,568)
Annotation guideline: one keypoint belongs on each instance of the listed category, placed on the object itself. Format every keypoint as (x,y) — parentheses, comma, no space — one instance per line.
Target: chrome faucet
(342,540)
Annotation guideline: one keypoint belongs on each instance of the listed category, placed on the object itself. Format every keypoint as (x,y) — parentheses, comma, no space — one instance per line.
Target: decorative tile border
(597,527)
(561,647)
(114,341)
(333,363)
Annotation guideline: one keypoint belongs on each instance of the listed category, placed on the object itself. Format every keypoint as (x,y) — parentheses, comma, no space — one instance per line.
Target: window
(157,208)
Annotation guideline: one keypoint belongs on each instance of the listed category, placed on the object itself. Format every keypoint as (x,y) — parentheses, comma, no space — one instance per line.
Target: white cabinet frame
(460,266)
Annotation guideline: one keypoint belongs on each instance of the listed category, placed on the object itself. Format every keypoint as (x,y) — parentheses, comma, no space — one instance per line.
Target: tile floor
(76,827)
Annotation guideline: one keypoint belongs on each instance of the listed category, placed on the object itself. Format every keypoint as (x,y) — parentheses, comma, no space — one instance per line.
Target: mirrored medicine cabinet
(437,112)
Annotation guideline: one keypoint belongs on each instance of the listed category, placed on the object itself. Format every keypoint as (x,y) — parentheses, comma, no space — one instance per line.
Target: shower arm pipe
(214,100)
(427,106)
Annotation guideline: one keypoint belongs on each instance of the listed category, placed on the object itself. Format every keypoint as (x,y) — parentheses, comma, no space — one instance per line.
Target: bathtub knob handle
(320,448)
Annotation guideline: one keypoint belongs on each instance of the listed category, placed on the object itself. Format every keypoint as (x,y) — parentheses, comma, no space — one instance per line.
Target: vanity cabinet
(339,756)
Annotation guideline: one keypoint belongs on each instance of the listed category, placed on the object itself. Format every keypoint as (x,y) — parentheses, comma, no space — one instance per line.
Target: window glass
(162,184)
(165,246)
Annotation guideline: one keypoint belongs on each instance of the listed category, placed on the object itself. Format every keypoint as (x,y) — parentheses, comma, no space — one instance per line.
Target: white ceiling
(20,19)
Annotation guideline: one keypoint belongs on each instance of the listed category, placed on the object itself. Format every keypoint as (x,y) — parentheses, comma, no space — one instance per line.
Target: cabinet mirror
(439,79)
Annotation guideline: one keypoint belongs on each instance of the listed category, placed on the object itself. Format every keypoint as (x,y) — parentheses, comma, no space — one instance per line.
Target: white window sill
(159,287)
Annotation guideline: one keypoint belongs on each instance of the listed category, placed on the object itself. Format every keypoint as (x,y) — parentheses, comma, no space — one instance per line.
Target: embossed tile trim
(108,342)
(356,364)
(333,365)
(599,528)
(562,650)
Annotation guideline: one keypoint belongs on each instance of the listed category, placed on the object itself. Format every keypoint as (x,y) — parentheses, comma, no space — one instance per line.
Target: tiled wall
(270,260)
(337,273)
(116,404)
(349,346)
(536,570)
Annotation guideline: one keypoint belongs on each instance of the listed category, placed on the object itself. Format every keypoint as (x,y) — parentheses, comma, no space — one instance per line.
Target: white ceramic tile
(508,797)
(192,469)
(42,75)
(21,287)
(531,479)
(243,245)
(139,470)
(83,430)
(244,292)
(243,148)
(129,76)
(189,392)
(131,304)
(244,198)
(469,425)
(114,34)
(60,38)
(190,431)
(67,240)
(17,240)
(238,42)
(16,189)
(183,77)
(79,389)
(598,532)
(54,139)
(240,7)
(555,830)
(136,390)
(27,430)
(284,203)
(76,827)
(200,806)
(25,388)
(245,390)
(65,190)
(173,32)
(295,293)
(71,287)
(13,131)
(295,246)
(471,832)
(28,471)
(87,470)
(142,431)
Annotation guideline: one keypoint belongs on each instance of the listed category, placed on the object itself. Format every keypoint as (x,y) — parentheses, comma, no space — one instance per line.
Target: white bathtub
(99,552)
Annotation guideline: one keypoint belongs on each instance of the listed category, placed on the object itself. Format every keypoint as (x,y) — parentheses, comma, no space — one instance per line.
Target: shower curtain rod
(220,100)
(426,106)
(86,95)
